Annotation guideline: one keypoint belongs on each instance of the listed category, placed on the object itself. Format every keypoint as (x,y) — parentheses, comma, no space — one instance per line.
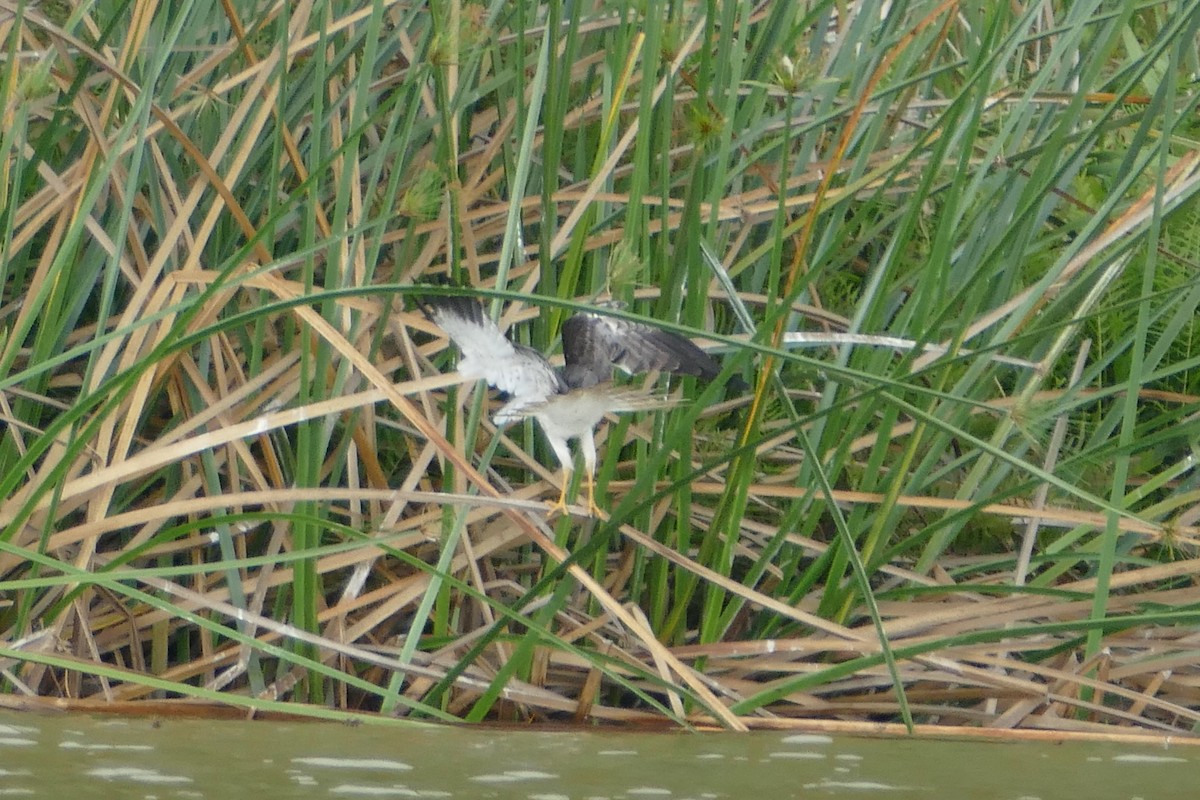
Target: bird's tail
(516,410)
(582,405)
(631,399)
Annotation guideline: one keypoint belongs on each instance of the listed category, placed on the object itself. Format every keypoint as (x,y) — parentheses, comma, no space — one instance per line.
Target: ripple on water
(798,754)
(384,791)
(862,786)
(13,741)
(353,763)
(16,730)
(1148,758)
(807,738)
(96,746)
(17,736)
(136,775)
(513,776)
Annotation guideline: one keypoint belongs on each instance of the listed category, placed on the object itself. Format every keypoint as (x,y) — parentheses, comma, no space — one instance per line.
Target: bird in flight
(567,403)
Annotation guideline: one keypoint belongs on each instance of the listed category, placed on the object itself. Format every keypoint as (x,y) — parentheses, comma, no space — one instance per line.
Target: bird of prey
(567,403)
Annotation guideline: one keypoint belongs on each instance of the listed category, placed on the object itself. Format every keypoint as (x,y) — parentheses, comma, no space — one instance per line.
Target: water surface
(73,756)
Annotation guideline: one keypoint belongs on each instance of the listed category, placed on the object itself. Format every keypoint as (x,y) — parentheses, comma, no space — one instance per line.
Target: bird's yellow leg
(588,445)
(560,505)
(593,509)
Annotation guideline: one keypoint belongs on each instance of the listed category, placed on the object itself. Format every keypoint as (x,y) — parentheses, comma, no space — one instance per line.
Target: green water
(71,756)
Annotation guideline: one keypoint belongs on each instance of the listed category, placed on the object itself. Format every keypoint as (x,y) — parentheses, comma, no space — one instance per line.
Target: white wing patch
(482,344)
(488,355)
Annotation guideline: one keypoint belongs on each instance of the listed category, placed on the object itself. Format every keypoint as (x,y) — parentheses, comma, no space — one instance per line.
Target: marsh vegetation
(951,250)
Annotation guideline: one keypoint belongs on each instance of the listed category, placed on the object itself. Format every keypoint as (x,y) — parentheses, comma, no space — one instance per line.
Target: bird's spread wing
(488,355)
(594,344)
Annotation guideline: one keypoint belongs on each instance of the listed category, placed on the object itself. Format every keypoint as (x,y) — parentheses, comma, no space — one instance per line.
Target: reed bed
(947,253)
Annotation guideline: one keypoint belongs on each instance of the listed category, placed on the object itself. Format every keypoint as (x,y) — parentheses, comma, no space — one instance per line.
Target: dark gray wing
(487,354)
(594,344)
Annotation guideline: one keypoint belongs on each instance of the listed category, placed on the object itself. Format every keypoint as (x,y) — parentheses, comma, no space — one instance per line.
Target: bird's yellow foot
(559,506)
